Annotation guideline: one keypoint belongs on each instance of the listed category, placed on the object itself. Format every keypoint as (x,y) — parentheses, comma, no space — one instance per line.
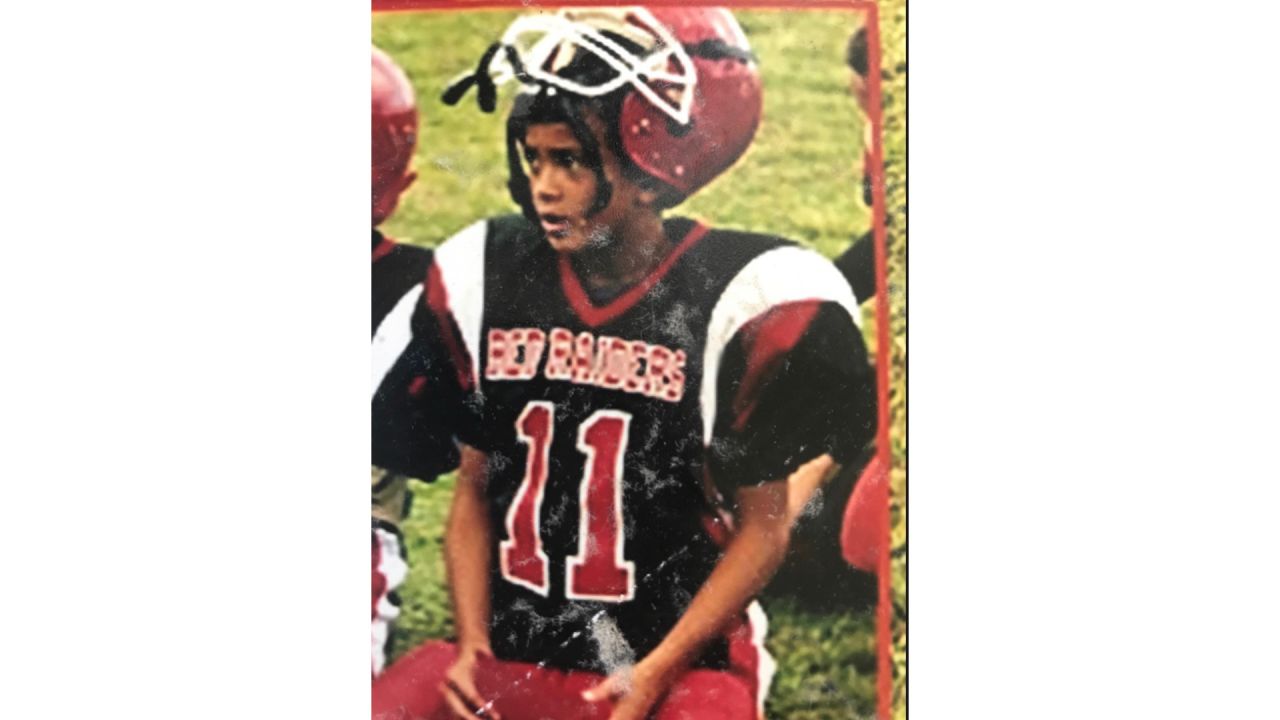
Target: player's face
(564,189)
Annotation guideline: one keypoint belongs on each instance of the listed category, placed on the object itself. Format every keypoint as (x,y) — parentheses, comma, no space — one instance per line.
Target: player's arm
(795,398)
(752,556)
(466,551)
(801,487)
(466,548)
(822,395)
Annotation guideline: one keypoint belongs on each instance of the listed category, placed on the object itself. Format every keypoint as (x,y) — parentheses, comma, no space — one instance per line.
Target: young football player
(404,435)
(623,373)
(862,524)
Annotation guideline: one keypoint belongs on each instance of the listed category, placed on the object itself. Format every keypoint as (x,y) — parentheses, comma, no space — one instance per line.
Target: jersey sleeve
(792,380)
(413,396)
(431,390)
(450,366)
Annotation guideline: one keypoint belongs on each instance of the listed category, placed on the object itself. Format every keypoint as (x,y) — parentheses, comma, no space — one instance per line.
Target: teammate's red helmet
(693,88)
(395,133)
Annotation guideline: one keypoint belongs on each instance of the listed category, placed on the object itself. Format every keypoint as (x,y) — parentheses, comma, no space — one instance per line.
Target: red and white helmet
(693,94)
(395,133)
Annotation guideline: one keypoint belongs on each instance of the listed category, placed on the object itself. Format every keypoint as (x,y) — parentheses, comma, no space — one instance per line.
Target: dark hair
(556,105)
(855,55)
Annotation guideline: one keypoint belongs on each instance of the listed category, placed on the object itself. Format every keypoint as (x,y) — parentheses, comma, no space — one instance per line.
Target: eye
(530,158)
(566,159)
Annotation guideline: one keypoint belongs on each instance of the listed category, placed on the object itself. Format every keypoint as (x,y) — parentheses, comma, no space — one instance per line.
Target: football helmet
(691,87)
(395,133)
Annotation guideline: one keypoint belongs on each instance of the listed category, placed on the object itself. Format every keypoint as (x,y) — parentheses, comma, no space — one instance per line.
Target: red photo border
(884,604)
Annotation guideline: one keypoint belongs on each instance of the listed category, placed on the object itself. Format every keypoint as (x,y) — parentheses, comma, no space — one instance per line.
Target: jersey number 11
(598,571)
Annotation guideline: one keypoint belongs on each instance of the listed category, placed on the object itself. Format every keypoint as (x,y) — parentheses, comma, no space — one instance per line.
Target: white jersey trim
(461,263)
(766,666)
(393,569)
(782,275)
(393,335)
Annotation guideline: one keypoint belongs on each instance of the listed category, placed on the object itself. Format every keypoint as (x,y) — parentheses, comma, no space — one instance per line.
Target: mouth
(554,225)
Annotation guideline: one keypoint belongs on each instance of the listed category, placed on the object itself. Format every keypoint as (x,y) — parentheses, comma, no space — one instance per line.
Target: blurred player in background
(623,375)
(405,435)
(836,522)
(862,522)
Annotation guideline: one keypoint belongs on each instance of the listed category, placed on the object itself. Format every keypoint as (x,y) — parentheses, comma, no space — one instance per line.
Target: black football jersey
(408,437)
(734,362)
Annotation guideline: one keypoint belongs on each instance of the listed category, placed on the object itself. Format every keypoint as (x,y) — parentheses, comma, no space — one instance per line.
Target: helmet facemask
(625,66)
(637,50)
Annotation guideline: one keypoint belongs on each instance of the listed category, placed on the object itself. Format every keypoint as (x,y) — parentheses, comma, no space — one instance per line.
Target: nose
(546,186)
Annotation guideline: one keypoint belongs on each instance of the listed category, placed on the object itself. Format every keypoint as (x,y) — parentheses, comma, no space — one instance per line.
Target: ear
(647,197)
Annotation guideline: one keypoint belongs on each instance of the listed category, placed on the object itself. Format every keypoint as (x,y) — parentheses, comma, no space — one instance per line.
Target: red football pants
(410,688)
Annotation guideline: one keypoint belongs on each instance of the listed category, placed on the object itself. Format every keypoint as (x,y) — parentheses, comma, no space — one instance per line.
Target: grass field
(800,179)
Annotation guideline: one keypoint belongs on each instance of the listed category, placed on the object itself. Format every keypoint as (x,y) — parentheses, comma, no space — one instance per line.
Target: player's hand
(634,691)
(459,687)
